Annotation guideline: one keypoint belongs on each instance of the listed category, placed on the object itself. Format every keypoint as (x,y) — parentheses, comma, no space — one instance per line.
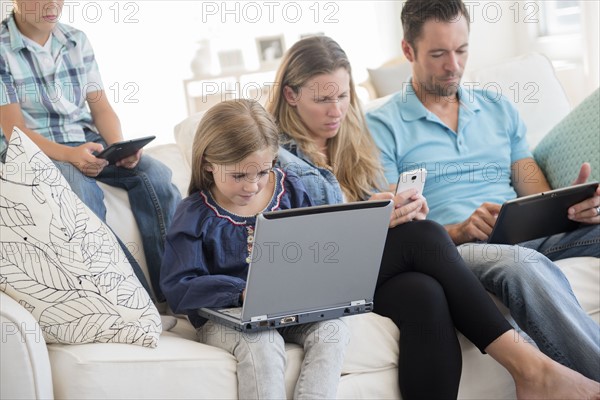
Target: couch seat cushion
(171,370)
(107,370)
(371,334)
(373,344)
(584,275)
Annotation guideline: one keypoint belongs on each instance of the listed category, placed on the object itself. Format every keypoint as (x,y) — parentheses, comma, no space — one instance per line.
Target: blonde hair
(229,132)
(352,153)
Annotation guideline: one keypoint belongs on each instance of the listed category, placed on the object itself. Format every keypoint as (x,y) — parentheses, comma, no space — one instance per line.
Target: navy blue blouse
(207,248)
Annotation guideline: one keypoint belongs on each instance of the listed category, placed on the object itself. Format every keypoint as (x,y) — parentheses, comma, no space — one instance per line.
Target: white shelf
(202,92)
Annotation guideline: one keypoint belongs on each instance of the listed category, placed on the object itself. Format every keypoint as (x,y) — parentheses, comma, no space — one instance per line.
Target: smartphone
(412,179)
(120,150)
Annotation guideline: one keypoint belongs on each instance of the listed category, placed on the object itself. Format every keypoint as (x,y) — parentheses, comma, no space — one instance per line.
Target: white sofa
(181,367)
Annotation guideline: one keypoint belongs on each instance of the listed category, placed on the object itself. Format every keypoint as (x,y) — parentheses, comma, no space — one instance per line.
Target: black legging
(426,289)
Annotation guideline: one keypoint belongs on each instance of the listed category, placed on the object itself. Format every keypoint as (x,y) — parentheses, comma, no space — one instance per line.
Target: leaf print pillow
(61,262)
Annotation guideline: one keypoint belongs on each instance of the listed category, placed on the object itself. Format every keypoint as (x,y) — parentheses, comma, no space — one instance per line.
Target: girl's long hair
(352,153)
(228,133)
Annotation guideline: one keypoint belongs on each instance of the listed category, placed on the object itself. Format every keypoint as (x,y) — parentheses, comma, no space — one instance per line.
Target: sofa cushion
(184,135)
(572,141)
(584,275)
(118,208)
(371,334)
(374,335)
(390,79)
(171,370)
(61,263)
(530,83)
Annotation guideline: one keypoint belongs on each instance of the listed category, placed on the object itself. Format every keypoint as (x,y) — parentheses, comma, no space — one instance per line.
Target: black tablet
(119,150)
(539,215)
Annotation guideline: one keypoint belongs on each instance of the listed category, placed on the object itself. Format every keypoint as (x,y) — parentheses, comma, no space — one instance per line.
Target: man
(458,136)
(51,89)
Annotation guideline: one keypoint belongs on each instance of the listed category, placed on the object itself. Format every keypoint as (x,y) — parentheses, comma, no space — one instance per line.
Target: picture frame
(230,60)
(270,49)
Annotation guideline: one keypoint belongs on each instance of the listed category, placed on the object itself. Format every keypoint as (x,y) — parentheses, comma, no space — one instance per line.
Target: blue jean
(539,296)
(153,201)
(579,243)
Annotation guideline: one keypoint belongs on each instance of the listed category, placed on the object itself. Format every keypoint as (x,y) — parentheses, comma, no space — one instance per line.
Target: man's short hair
(416,12)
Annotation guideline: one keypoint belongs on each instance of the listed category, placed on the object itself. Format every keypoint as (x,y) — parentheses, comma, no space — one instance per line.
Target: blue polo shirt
(464,168)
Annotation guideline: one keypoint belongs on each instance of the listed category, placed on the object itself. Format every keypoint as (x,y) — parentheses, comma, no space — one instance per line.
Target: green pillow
(571,142)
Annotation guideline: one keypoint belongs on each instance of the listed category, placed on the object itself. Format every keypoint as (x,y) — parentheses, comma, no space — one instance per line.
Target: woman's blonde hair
(228,133)
(352,153)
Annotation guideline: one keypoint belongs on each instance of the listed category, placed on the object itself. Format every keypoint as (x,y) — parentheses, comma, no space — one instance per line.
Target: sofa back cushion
(530,83)
(389,79)
(61,263)
(184,135)
(571,142)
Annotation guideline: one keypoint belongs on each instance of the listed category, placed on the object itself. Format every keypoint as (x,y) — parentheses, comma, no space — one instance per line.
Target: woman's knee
(423,228)
(411,295)
(423,234)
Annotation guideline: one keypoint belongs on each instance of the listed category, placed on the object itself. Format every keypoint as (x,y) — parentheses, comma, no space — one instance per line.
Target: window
(559,17)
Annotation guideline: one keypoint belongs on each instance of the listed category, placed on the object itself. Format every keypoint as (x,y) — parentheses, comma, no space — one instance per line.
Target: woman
(424,285)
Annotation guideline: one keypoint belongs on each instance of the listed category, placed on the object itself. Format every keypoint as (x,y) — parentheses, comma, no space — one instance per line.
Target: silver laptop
(310,264)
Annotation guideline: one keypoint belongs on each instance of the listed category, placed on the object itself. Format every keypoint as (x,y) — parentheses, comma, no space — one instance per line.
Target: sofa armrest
(24,366)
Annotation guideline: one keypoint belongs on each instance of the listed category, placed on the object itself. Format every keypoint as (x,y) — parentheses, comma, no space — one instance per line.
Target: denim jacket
(321,184)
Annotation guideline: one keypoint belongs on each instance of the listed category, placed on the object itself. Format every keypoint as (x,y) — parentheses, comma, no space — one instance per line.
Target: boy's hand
(131,161)
(83,159)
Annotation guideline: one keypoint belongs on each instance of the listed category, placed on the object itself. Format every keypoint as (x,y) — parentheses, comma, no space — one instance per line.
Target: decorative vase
(202,62)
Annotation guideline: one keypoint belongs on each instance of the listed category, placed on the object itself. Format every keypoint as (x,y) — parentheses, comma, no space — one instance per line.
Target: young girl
(424,285)
(209,244)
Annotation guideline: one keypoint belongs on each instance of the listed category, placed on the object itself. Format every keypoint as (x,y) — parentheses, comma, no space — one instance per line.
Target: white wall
(493,36)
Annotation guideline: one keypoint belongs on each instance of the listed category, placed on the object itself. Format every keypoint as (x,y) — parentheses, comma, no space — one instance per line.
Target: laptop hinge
(358,303)
(258,318)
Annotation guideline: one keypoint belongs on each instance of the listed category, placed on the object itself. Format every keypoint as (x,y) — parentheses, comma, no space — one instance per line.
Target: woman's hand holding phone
(415,206)
(410,205)
(414,179)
